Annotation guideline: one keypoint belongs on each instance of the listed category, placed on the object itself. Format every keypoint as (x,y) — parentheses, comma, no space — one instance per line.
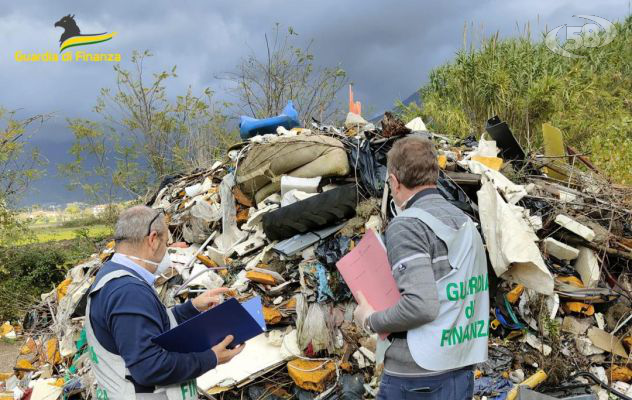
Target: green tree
(263,85)
(72,209)
(141,136)
(17,169)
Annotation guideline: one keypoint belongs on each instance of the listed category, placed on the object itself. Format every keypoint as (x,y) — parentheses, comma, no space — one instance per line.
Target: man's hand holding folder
(209,299)
(206,301)
(223,353)
(224,327)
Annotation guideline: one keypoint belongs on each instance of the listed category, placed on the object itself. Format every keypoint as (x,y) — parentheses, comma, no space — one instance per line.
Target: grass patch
(56,233)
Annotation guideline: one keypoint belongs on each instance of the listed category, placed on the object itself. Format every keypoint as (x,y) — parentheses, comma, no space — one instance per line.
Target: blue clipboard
(200,333)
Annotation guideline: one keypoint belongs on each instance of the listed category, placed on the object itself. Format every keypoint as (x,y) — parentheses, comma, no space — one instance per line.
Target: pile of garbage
(273,219)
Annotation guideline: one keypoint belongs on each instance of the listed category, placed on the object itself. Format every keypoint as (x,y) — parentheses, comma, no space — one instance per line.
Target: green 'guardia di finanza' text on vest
(459,292)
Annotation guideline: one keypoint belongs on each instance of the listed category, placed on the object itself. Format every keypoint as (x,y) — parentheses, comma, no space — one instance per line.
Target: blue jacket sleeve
(133,317)
(184,311)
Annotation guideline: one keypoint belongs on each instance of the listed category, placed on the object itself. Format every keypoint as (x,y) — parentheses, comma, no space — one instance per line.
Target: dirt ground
(8,354)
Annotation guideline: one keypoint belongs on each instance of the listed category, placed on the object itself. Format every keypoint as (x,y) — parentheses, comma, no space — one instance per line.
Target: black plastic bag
(453,193)
(330,251)
(370,165)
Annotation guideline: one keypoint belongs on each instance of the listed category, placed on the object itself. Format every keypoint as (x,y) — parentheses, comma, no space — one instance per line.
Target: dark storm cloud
(387,48)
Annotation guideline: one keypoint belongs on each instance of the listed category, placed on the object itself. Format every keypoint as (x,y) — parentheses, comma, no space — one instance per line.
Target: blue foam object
(200,333)
(249,127)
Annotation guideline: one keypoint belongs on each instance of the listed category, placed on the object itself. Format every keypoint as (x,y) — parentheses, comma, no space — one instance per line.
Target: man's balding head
(133,225)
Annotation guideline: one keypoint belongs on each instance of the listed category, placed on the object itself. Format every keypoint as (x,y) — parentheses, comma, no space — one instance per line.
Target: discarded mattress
(259,174)
(314,213)
(249,127)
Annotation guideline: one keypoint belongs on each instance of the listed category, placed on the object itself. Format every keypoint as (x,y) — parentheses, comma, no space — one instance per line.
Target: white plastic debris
(231,234)
(208,212)
(587,265)
(566,197)
(241,282)
(375,223)
(254,242)
(44,389)
(516,376)
(368,354)
(416,124)
(601,322)
(486,148)
(512,192)
(575,227)
(354,120)
(258,356)
(275,337)
(512,251)
(312,325)
(537,344)
(559,250)
(294,196)
(289,347)
(585,346)
(599,372)
(205,277)
(193,190)
(360,360)
(256,215)
(306,185)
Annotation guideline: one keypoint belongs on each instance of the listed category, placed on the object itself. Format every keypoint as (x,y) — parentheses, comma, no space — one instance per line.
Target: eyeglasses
(160,211)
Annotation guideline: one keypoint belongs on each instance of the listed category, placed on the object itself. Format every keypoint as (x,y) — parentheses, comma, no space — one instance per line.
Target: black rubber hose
(603,385)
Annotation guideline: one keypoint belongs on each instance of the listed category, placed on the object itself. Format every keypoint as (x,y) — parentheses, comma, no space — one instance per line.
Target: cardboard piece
(607,342)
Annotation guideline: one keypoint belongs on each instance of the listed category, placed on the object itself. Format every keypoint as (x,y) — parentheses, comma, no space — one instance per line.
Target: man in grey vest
(438,329)
(124,313)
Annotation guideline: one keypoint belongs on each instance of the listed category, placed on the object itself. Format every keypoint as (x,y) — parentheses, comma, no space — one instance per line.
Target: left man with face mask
(124,313)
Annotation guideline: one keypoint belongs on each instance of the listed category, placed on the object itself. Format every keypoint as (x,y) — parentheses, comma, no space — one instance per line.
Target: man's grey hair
(133,224)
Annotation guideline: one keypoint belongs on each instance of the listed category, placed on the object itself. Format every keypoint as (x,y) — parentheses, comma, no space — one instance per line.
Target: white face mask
(163,265)
(395,209)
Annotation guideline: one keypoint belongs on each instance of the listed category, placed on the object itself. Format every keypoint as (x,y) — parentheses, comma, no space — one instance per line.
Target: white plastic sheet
(513,253)
(512,192)
(231,234)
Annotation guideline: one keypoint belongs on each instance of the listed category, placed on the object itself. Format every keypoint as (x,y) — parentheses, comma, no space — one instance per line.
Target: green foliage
(86,221)
(141,136)
(72,209)
(17,170)
(526,84)
(264,84)
(53,234)
(27,271)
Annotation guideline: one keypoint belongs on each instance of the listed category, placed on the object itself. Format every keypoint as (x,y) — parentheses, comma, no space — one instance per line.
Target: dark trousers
(453,385)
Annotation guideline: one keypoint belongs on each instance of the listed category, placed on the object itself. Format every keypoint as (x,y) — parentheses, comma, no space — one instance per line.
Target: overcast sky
(387,48)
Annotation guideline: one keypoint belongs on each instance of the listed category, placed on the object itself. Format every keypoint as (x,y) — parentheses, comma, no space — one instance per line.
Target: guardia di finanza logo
(71,37)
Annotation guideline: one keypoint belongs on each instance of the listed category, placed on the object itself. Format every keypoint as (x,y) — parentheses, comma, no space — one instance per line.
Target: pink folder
(366,269)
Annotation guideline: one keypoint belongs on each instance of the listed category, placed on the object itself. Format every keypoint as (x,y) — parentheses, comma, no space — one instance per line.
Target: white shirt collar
(123,260)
